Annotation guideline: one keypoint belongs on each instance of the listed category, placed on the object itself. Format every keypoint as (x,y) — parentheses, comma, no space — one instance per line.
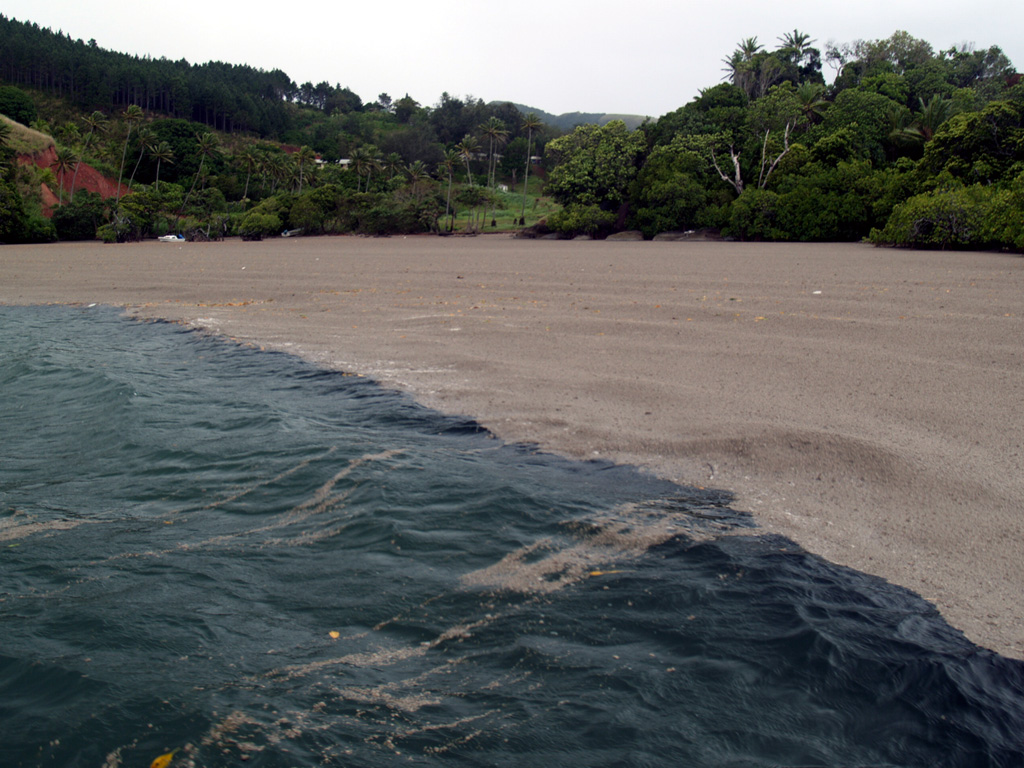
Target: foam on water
(231,552)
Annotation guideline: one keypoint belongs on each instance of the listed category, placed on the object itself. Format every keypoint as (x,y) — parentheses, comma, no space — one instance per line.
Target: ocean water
(235,554)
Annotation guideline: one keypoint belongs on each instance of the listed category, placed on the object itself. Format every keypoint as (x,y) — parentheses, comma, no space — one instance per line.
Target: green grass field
(509,208)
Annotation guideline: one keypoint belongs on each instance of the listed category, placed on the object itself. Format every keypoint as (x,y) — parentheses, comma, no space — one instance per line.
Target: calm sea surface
(235,554)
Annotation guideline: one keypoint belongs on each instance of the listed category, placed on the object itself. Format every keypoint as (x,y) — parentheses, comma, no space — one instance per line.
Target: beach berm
(864,402)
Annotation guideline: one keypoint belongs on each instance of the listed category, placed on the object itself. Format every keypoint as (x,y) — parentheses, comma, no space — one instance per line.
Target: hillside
(24,140)
(569,120)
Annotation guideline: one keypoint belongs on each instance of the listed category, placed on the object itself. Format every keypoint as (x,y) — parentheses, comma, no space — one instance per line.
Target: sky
(644,57)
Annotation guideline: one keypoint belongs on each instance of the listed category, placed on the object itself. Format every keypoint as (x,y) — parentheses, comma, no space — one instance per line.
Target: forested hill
(569,120)
(227,97)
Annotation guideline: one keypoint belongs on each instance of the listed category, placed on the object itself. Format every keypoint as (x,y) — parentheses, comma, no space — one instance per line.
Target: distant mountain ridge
(569,120)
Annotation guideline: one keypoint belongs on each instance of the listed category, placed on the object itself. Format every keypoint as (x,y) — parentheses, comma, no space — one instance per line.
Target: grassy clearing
(509,207)
(26,141)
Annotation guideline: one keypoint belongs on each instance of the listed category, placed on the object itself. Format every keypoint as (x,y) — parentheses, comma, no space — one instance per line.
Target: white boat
(292,232)
(172,239)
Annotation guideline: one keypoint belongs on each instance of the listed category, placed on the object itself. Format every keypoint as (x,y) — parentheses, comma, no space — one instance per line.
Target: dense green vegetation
(216,149)
(907,146)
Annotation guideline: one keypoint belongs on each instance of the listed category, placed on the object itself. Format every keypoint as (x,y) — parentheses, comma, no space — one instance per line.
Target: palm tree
(933,114)
(496,133)
(65,161)
(371,164)
(84,146)
(417,172)
(451,159)
(250,160)
(530,122)
(207,148)
(303,158)
(271,167)
(147,141)
(69,133)
(740,68)
(97,121)
(909,129)
(467,148)
(796,41)
(812,101)
(393,164)
(418,178)
(131,115)
(162,153)
(359,160)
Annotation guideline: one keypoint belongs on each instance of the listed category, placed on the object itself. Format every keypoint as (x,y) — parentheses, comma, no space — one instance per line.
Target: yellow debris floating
(164,760)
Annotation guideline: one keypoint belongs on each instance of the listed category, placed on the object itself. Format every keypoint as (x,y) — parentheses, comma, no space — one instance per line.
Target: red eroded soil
(88,178)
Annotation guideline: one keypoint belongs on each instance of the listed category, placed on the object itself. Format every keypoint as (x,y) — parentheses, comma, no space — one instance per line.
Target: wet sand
(866,403)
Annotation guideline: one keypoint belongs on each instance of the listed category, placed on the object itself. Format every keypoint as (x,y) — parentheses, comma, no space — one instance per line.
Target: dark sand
(867,403)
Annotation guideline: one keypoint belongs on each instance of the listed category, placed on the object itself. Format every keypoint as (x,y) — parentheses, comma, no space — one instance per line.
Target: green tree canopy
(594,165)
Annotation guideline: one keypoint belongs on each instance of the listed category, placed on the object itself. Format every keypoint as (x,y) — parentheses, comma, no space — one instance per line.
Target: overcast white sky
(644,57)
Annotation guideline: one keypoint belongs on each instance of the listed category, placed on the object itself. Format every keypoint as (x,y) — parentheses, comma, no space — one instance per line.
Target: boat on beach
(171,239)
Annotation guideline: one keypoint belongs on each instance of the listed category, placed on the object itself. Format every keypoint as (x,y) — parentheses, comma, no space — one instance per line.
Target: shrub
(577,219)
(974,217)
(754,215)
(256,226)
(79,220)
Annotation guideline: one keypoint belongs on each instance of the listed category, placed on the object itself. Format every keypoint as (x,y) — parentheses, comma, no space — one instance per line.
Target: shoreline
(862,402)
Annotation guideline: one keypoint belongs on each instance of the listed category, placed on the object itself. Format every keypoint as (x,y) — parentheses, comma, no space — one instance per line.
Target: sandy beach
(866,403)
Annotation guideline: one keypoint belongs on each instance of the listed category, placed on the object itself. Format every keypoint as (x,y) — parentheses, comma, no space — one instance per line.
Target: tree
(986,146)
(250,160)
(933,114)
(417,172)
(800,60)
(17,104)
(753,69)
(65,162)
(811,98)
(79,220)
(304,159)
(472,198)
(467,149)
(96,123)
(447,166)
(393,164)
(131,115)
(866,116)
(364,160)
(739,67)
(673,187)
(530,123)
(496,132)
(405,108)
(769,162)
(208,147)
(163,153)
(594,165)
(147,140)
